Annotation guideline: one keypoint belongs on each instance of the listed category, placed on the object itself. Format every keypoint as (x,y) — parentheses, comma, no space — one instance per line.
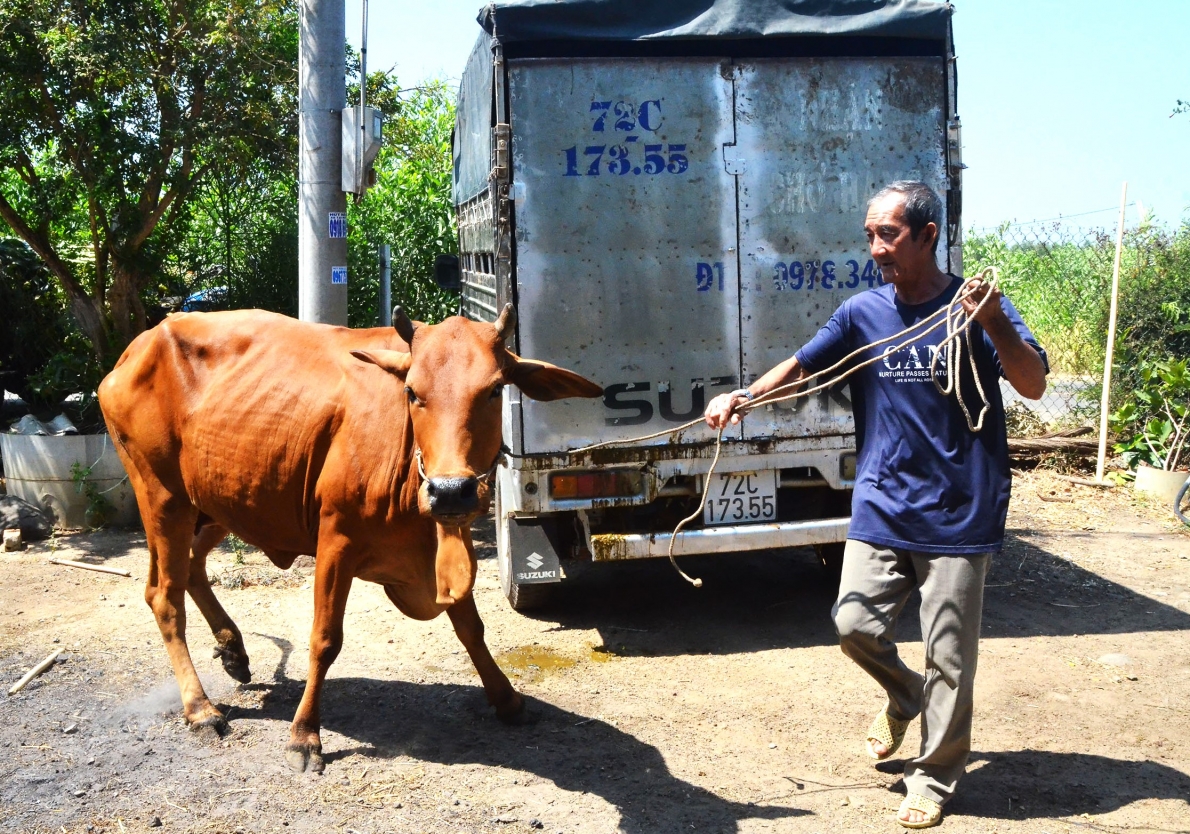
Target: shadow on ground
(1030,784)
(97,546)
(452,724)
(771,599)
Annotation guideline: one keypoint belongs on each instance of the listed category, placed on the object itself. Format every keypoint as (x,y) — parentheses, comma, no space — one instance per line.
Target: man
(930,496)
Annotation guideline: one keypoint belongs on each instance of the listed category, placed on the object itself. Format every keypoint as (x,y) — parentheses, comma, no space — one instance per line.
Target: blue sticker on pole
(338,275)
(337,223)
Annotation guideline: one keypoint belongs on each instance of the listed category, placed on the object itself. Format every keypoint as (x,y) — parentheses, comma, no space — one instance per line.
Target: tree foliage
(409,208)
(34,329)
(242,237)
(115,113)
(243,233)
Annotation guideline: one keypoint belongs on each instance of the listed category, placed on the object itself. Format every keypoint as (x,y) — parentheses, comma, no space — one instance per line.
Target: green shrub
(1154,419)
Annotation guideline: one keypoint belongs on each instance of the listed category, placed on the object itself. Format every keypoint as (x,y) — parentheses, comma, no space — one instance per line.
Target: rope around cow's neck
(958,328)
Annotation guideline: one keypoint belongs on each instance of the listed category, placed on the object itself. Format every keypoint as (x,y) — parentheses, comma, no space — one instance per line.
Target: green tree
(410,207)
(242,238)
(114,114)
(34,328)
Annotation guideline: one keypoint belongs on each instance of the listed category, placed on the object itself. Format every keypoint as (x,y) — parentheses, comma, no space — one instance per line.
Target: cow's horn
(403,325)
(506,322)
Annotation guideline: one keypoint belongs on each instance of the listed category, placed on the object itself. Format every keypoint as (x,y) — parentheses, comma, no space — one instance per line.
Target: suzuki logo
(534,561)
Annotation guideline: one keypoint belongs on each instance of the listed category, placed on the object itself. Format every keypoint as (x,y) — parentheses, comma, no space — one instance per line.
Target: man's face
(898,255)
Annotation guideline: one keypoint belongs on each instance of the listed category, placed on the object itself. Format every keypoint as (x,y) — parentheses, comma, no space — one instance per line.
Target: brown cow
(372,452)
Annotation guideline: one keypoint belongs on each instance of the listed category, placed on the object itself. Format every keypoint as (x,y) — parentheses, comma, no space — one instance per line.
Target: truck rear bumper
(612,547)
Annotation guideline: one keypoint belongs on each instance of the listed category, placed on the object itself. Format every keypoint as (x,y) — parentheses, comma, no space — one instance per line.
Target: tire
(830,557)
(522,597)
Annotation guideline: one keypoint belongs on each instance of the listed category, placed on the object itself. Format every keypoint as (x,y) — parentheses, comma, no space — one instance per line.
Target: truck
(671,196)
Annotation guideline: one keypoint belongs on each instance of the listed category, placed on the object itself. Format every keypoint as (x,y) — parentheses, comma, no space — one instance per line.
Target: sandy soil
(659,707)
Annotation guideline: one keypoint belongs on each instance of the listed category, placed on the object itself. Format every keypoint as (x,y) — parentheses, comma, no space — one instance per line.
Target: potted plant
(1154,425)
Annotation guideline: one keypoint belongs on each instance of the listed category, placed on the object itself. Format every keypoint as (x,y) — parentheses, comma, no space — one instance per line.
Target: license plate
(741,497)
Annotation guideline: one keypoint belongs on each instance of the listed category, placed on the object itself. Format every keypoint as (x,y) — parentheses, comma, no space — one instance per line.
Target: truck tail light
(605,484)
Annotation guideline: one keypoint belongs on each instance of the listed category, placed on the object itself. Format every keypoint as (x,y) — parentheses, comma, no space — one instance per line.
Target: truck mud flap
(534,548)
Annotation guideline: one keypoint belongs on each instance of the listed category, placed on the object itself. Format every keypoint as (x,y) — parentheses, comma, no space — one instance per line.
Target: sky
(1061,100)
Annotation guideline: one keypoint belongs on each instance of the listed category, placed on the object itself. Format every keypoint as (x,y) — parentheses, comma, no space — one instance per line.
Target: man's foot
(919,811)
(885,735)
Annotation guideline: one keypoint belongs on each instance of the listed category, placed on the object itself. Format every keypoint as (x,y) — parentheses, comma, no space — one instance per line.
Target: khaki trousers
(875,585)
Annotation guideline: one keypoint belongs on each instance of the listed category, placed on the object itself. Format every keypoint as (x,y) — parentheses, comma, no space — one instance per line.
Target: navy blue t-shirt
(924,481)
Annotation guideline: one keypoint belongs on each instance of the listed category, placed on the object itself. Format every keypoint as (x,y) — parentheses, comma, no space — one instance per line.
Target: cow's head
(454,376)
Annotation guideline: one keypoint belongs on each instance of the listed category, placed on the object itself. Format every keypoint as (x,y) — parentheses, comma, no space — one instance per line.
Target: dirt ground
(659,707)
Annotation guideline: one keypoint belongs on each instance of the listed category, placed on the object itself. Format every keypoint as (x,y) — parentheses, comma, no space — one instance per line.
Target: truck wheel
(830,556)
(520,596)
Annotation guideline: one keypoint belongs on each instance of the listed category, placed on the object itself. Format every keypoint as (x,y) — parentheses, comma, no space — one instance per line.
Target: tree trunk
(127,311)
(91,321)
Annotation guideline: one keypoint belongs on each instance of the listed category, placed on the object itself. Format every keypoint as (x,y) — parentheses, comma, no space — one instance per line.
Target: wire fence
(1059,277)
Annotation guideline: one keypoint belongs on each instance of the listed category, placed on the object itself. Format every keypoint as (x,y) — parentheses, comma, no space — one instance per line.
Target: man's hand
(721,411)
(991,312)
(1022,365)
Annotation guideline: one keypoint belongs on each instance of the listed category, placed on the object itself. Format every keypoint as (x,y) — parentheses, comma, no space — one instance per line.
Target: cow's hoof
(235,663)
(212,727)
(517,714)
(304,758)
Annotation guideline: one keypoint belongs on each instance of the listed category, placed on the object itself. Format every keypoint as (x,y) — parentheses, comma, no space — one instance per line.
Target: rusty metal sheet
(815,139)
(625,229)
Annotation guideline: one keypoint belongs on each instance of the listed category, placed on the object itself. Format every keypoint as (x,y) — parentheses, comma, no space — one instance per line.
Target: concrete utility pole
(386,286)
(322,205)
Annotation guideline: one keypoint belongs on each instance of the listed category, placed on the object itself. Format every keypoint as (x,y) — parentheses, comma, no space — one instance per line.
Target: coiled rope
(958,330)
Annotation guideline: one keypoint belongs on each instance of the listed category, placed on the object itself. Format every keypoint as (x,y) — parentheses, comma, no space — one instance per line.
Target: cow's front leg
(332,583)
(510,706)
(169,523)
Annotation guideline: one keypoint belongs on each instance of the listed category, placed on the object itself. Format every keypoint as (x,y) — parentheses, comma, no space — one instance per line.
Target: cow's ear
(545,382)
(394,361)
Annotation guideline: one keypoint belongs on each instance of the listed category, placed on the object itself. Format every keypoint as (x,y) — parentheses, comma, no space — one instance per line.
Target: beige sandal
(923,804)
(887,730)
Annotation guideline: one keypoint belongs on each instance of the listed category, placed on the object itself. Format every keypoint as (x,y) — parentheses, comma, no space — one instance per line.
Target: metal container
(38,469)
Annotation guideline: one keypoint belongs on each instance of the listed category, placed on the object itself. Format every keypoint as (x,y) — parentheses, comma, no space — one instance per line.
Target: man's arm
(1022,365)
(721,411)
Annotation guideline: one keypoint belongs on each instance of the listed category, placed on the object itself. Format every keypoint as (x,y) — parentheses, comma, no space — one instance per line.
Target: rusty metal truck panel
(815,138)
(625,240)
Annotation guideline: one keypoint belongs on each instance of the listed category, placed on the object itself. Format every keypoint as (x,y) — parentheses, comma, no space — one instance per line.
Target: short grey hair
(922,205)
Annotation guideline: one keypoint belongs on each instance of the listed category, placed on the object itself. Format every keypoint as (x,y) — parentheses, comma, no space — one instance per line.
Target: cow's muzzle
(453,500)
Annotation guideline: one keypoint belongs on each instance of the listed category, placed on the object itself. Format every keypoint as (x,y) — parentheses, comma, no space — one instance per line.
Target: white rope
(958,328)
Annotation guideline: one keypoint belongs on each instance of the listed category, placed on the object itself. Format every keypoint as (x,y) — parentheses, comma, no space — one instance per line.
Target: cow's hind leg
(230,648)
(510,706)
(169,530)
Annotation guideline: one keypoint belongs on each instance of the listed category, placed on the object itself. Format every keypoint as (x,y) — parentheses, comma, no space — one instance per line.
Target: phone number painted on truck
(799,275)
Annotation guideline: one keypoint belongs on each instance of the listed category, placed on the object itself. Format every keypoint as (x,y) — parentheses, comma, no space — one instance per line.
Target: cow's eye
(497,391)
(412,397)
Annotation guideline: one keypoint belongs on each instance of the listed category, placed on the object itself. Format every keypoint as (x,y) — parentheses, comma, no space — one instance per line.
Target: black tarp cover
(523,21)
(473,123)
